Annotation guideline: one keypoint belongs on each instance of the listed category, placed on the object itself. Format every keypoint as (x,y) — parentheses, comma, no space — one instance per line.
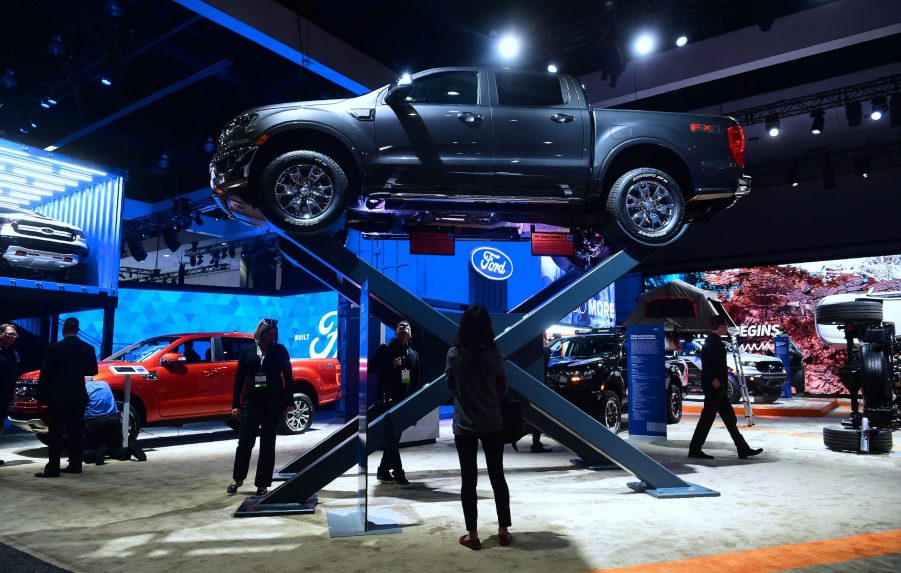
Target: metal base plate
(282,476)
(693,490)
(350,523)
(251,507)
(594,466)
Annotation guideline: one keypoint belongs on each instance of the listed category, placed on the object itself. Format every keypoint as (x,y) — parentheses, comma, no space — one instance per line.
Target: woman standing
(263,390)
(475,374)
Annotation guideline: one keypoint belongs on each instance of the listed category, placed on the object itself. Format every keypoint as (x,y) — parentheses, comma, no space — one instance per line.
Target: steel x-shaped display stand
(598,447)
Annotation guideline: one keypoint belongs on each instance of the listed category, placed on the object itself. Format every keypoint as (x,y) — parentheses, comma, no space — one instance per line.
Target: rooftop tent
(679,307)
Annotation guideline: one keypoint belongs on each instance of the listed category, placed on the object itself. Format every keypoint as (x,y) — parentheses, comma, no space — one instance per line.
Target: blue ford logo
(491,263)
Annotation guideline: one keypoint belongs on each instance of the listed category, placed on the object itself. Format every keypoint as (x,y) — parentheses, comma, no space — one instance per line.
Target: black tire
(317,206)
(733,390)
(611,411)
(673,404)
(135,421)
(848,439)
(856,311)
(43,438)
(875,376)
(589,247)
(298,419)
(648,206)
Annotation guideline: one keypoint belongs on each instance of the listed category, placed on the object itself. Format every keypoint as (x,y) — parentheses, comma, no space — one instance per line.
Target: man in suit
(10,365)
(714,377)
(61,386)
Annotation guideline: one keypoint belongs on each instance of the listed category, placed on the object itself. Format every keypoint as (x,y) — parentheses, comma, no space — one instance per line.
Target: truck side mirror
(171,358)
(399,90)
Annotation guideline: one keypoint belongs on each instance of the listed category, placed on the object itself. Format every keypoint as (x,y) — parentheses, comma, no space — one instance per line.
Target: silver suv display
(34,244)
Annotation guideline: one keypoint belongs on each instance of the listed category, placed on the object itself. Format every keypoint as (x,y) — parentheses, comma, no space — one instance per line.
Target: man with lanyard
(396,366)
(10,367)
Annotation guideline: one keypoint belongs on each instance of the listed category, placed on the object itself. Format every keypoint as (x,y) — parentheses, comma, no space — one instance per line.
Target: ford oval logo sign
(491,263)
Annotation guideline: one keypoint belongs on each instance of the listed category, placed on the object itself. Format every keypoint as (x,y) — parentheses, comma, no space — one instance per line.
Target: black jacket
(279,385)
(10,368)
(476,377)
(65,365)
(713,361)
(391,388)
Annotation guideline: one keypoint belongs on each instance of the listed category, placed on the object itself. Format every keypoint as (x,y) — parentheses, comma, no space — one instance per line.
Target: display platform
(796,407)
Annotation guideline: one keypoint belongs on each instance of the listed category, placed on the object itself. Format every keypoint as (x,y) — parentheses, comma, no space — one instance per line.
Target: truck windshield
(140,351)
(589,346)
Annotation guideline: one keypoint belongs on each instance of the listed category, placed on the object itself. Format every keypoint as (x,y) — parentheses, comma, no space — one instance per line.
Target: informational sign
(647,381)
(552,244)
(491,263)
(430,243)
(784,354)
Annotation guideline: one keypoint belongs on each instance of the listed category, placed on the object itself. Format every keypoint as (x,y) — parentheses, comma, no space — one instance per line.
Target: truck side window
(197,350)
(445,88)
(231,347)
(528,89)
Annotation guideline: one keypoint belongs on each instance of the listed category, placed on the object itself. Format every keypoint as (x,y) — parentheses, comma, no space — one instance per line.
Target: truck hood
(268,109)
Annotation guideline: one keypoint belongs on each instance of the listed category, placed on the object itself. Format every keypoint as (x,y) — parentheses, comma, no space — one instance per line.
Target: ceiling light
(862,166)
(681,41)
(879,108)
(819,121)
(163,162)
(552,68)
(508,47)
(106,81)
(51,101)
(55,46)
(853,113)
(170,237)
(209,146)
(793,178)
(772,125)
(644,44)
(8,79)
(136,248)
(45,104)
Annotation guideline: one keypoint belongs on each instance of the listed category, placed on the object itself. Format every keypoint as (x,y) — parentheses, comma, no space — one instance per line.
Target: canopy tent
(679,307)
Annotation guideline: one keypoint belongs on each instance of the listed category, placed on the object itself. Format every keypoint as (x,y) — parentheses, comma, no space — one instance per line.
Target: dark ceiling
(213,74)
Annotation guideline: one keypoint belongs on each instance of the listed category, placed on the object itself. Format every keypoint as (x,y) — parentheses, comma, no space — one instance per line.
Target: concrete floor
(796,507)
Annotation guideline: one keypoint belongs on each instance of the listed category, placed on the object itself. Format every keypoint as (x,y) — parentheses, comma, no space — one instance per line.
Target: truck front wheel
(303,192)
(648,206)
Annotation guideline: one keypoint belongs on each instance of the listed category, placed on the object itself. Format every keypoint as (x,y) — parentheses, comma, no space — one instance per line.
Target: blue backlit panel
(308,323)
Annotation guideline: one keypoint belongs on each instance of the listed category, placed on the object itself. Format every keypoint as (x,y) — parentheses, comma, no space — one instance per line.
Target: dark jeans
(65,420)
(104,431)
(391,457)
(264,416)
(467,450)
(716,401)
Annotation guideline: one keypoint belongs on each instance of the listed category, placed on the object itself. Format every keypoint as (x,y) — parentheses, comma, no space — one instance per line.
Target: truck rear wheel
(298,418)
(303,192)
(648,206)
(856,311)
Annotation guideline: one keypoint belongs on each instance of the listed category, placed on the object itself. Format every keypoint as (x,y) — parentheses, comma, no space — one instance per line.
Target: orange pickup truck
(191,379)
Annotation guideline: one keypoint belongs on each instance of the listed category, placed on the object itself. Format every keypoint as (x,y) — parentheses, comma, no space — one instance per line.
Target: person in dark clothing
(263,391)
(714,377)
(796,362)
(103,426)
(475,374)
(396,366)
(61,388)
(10,368)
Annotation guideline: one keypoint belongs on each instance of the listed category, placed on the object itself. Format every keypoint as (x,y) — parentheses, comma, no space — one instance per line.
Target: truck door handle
(469,117)
(562,118)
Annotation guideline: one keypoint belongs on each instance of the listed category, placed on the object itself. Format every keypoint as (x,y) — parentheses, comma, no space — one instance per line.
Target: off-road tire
(648,206)
(855,311)
(848,439)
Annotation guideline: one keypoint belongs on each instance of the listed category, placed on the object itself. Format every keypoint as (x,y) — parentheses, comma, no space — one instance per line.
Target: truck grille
(769,367)
(43,230)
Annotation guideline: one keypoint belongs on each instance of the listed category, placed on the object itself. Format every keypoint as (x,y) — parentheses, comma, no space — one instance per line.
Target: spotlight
(681,41)
(114,8)
(55,46)
(8,79)
(209,146)
(793,178)
(51,101)
(136,248)
(198,220)
(508,47)
(862,166)
(170,237)
(552,68)
(772,125)
(853,113)
(106,81)
(879,108)
(819,121)
(644,44)
(828,177)
(163,162)
(45,104)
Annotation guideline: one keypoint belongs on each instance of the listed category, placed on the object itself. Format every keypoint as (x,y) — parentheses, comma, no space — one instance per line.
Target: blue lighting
(106,81)
(231,23)
(45,104)
(51,101)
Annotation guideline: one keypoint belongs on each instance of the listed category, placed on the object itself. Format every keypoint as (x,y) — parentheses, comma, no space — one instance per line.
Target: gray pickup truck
(481,153)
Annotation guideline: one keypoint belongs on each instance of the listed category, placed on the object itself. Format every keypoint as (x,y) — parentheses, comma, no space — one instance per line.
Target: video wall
(307,323)
(765,301)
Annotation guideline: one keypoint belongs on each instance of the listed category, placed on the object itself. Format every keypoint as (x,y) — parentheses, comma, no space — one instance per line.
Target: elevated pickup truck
(191,379)
(480,153)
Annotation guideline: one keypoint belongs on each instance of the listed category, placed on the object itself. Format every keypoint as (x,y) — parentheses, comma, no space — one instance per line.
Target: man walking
(10,366)
(397,368)
(61,386)
(714,377)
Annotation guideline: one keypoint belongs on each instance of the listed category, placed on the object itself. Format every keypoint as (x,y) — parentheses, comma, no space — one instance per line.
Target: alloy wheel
(304,191)
(650,205)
